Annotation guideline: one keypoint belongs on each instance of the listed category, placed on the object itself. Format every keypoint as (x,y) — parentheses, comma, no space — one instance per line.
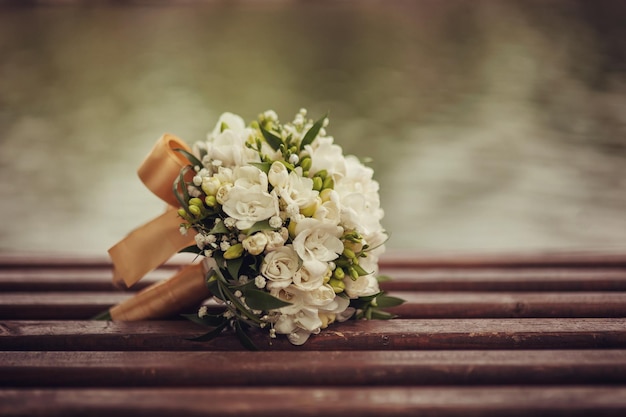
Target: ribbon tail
(184,290)
(146,248)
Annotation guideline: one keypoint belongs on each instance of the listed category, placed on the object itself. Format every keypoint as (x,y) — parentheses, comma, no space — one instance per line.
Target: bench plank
(71,305)
(352,335)
(294,368)
(308,401)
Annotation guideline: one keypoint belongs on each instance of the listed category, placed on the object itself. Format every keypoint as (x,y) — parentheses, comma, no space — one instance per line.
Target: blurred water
(494,125)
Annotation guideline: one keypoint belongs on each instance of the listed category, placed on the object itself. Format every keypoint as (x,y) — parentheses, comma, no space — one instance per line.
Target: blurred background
(492,125)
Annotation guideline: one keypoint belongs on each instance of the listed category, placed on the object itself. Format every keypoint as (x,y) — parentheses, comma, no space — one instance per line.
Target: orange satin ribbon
(150,245)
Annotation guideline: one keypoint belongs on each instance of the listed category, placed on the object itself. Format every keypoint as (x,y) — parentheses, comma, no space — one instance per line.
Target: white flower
(227,142)
(363,286)
(260,282)
(298,191)
(249,176)
(278,174)
(279,266)
(249,205)
(321,297)
(326,155)
(310,276)
(210,185)
(275,239)
(255,244)
(316,240)
(276,222)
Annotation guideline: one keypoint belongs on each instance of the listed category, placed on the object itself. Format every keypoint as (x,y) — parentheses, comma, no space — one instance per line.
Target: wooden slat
(74,305)
(338,368)
(69,280)
(306,401)
(505,279)
(558,259)
(353,335)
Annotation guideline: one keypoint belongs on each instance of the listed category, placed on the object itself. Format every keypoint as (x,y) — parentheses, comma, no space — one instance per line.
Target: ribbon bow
(153,243)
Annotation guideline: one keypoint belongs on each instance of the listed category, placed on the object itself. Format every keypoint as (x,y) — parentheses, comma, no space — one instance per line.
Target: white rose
(255,244)
(248,176)
(279,266)
(362,286)
(310,276)
(298,191)
(275,240)
(227,142)
(278,175)
(321,297)
(316,240)
(292,295)
(249,205)
(326,155)
(328,212)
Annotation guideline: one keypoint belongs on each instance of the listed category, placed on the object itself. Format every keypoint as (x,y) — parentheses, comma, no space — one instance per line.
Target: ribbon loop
(161,167)
(150,245)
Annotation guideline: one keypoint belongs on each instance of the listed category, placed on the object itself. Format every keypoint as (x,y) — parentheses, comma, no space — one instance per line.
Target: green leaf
(312,133)
(261,300)
(381,315)
(244,338)
(184,198)
(263,166)
(190,157)
(233,266)
(209,321)
(258,226)
(272,140)
(105,316)
(210,335)
(386,301)
(360,270)
(219,227)
(213,287)
(383,278)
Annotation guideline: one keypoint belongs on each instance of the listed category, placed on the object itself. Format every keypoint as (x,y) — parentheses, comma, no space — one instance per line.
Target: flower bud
(337,285)
(329,183)
(234,252)
(195,211)
(195,202)
(306,163)
(348,253)
(353,273)
(322,174)
(210,201)
(317,183)
(339,273)
(182,212)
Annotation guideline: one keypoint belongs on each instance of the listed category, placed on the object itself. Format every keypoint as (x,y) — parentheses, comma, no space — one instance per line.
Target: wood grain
(307,401)
(312,368)
(353,335)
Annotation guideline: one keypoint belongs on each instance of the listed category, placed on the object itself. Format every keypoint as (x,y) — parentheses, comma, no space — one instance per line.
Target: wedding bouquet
(288,227)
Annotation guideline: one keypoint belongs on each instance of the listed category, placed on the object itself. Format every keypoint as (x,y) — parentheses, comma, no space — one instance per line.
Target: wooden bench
(478,335)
